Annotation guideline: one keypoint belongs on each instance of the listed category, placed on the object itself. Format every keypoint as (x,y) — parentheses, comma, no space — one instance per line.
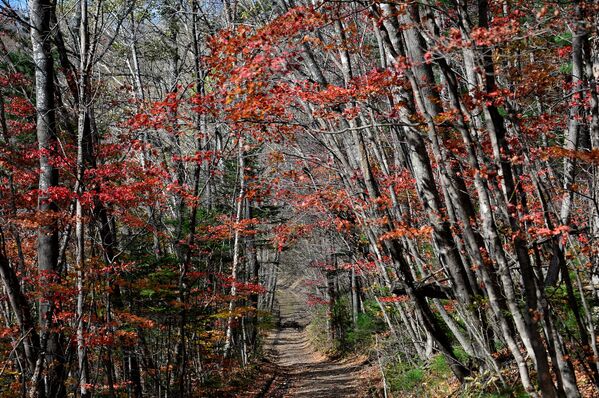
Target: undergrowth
(434,378)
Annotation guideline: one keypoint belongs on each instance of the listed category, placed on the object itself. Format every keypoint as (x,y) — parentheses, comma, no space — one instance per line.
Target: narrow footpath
(305,373)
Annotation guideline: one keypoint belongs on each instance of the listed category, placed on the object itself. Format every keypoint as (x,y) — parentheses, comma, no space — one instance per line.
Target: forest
(299,198)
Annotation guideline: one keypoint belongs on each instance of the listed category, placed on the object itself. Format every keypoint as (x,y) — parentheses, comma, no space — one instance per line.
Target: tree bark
(41,38)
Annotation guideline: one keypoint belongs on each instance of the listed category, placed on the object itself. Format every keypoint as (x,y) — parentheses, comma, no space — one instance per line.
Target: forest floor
(301,371)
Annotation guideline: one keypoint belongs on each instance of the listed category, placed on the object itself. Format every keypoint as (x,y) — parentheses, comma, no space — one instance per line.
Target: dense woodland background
(431,168)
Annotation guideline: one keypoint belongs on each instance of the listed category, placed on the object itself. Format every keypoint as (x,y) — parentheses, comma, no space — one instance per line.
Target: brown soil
(302,371)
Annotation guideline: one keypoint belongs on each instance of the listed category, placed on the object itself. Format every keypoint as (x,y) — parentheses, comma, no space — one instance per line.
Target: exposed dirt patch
(303,372)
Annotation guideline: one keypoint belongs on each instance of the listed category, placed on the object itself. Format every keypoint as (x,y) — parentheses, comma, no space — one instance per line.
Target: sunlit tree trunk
(83,137)
(236,245)
(50,384)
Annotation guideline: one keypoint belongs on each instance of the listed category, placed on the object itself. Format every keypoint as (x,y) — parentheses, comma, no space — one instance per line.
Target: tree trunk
(47,249)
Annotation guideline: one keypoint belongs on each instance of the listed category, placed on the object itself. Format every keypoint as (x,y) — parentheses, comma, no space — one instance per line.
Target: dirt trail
(304,372)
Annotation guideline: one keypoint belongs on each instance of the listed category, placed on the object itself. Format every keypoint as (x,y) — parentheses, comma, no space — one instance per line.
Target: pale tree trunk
(591,64)
(139,96)
(572,140)
(236,246)
(40,17)
(230,10)
(83,137)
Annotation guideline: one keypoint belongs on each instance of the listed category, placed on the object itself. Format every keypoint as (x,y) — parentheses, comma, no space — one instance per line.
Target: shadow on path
(309,373)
